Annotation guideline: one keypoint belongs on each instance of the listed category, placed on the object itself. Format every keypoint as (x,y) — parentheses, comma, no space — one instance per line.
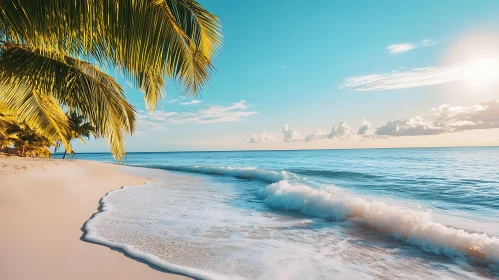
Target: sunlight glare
(482,72)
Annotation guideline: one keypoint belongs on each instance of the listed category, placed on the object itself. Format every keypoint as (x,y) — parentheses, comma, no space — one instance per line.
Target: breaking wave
(252,173)
(411,226)
(287,191)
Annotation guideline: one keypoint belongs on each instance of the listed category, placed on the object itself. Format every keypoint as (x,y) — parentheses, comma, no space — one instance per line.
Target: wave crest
(413,227)
(288,192)
(265,175)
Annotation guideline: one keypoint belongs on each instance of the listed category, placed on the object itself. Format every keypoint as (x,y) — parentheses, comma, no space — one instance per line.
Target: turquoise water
(426,213)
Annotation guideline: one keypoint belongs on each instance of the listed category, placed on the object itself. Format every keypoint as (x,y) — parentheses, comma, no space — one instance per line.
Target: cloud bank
(447,119)
(443,119)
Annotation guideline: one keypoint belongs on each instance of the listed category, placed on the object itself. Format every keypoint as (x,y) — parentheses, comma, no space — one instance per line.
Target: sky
(335,74)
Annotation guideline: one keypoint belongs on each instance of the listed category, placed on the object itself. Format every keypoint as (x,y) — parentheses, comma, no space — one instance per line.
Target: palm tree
(7,137)
(26,140)
(5,121)
(30,143)
(44,59)
(78,128)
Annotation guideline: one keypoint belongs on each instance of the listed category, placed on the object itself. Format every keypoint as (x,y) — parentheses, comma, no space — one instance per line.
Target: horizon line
(292,150)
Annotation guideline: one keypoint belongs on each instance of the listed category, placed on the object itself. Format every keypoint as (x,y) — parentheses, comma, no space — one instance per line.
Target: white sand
(43,205)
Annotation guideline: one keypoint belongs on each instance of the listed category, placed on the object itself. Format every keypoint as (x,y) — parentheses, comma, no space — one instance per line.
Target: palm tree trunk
(64,156)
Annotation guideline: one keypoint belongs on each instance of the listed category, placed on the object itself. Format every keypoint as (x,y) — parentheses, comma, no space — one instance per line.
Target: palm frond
(201,26)
(146,40)
(44,44)
(30,143)
(74,84)
(39,111)
(147,43)
(5,122)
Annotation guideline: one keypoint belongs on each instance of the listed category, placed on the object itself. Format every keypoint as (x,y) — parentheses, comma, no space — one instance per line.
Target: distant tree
(31,144)
(6,138)
(78,127)
(26,141)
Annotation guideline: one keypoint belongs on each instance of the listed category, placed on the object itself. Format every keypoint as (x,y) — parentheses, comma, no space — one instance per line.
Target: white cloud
(263,138)
(427,43)
(405,47)
(195,101)
(459,118)
(171,100)
(290,135)
(365,129)
(155,116)
(443,119)
(314,137)
(410,127)
(400,48)
(213,114)
(150,125)
(447,119)
(406,79)
(342,130)
(416,77)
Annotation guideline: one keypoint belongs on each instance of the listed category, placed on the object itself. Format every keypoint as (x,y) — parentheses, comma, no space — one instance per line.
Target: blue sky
(310,65)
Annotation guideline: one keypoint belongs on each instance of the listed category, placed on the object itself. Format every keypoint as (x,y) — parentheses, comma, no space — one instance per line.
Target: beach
(234,140)
(349,214)
(43,205)
(319,214)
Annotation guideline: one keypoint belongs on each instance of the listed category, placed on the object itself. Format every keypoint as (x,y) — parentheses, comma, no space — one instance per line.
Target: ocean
(418,213)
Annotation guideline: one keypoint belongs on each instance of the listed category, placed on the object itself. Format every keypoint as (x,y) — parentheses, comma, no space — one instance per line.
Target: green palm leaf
(75,84)
(44,45)
(145,39)
(39,111)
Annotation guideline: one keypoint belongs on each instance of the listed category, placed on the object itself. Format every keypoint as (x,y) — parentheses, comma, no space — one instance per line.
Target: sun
(482,72)
(476,56)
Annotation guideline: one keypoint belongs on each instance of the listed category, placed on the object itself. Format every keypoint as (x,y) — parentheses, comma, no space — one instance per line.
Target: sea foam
(92,235)
(198,228)
(288,192)
(414,227)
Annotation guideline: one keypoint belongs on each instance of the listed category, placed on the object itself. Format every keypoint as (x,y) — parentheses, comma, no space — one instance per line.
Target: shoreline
(44,207)
(151,261)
